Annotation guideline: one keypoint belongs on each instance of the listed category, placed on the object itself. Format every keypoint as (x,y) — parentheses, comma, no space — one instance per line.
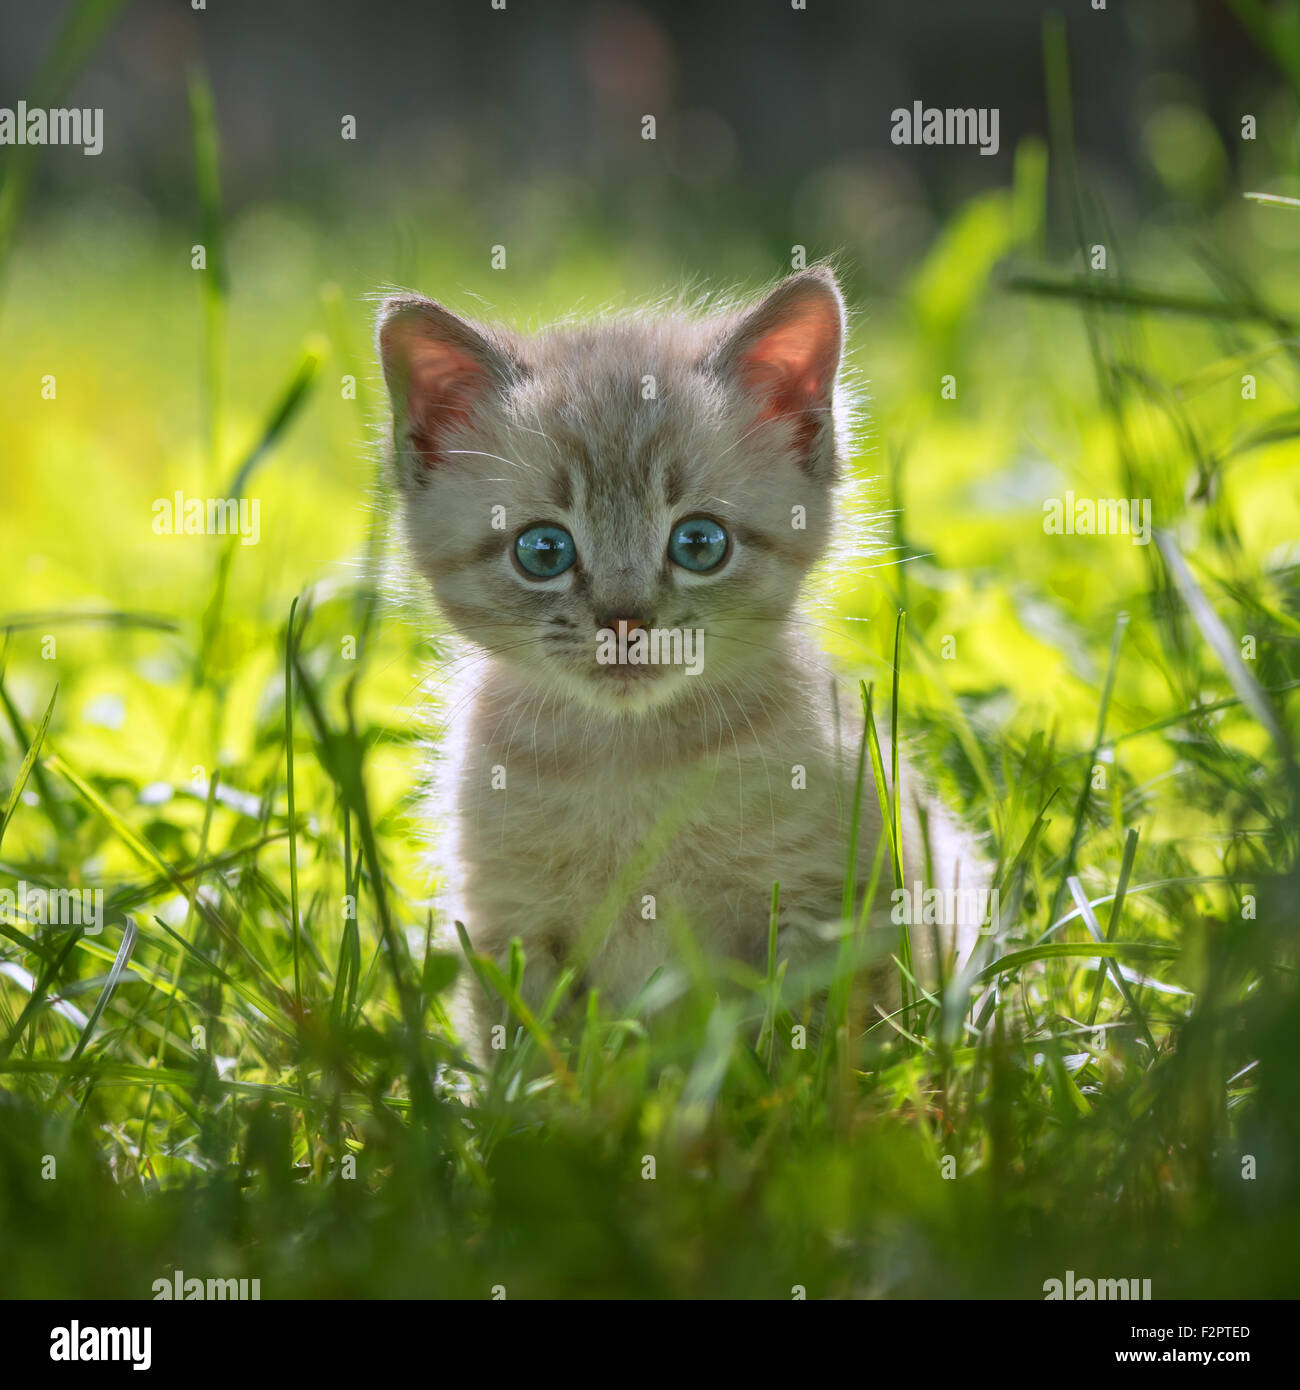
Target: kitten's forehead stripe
(562,488)
(486,548)
(572,461)
(675,482)
(773,545)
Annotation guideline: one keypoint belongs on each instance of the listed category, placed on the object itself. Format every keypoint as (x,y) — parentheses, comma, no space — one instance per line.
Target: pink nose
(629,625)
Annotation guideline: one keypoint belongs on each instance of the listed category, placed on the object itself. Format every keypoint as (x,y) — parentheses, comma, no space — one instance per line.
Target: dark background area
(457,93)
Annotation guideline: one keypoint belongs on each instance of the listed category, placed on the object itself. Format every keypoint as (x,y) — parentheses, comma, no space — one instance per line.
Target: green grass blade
(37,997)
(1222,644)
(25,767)
(290,653)
(1070,950)
(1116,907)
(129,934)
(1090,921)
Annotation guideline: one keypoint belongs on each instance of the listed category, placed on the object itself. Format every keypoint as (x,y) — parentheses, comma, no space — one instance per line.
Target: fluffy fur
(573,798)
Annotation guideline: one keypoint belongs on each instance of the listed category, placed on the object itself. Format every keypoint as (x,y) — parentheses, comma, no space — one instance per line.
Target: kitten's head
(561,492)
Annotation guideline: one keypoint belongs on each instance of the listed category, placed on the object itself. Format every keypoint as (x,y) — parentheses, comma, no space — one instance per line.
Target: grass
(250,1070)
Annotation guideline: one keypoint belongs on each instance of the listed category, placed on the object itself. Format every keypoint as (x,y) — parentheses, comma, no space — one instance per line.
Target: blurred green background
(522,128)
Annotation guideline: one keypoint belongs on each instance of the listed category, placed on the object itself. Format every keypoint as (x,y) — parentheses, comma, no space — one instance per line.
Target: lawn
(234,1074)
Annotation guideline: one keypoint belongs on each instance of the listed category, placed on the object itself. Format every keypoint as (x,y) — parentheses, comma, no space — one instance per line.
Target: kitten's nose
(630,625)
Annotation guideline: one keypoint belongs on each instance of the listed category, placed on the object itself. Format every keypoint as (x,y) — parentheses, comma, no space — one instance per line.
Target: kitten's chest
(709,828)
(564,850)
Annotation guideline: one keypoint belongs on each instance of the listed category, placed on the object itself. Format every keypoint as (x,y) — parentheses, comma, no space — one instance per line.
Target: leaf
(439,974)
(1221,643)
(1069,950)
(124,950)
(24,770)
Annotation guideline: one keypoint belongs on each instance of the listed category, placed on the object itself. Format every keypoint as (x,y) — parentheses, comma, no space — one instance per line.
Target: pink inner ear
(791,367)
(445,384)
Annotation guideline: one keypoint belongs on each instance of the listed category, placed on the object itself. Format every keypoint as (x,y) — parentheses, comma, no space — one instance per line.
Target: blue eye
(699,543)
(545,551)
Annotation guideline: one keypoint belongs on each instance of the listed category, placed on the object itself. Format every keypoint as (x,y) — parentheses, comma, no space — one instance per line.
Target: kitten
(570,495)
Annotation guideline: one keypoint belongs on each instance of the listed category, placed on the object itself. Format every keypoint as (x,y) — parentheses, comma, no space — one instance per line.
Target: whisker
(512,463)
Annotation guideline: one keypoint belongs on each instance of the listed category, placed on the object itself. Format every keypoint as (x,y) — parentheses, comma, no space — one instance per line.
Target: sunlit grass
(234,771)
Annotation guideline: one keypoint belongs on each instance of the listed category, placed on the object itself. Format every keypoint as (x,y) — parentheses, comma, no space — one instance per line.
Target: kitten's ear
(785,354)
(438,368)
